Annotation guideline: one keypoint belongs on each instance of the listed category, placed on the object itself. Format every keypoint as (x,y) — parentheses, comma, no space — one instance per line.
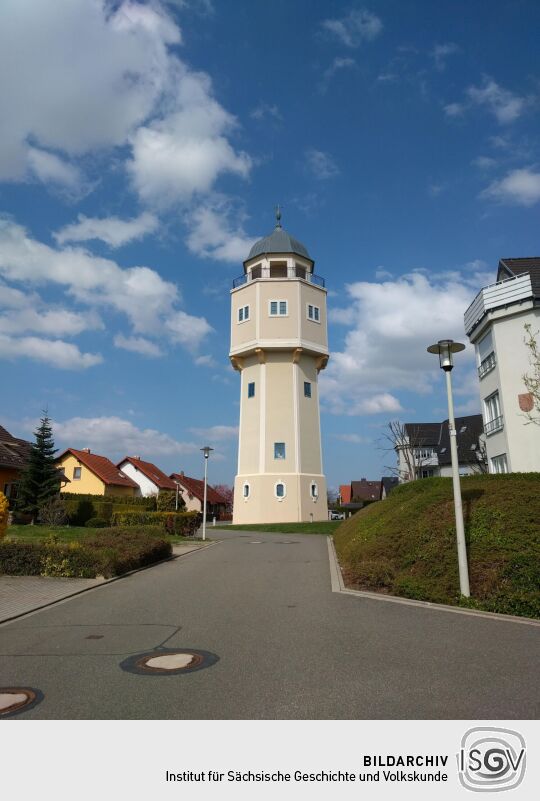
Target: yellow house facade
(92,474)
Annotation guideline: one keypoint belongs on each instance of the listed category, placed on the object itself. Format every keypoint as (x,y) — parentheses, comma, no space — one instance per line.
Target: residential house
(387,485)
(14,455)
(426,451)
(362,491)
(344,494)
(92,474)
(192,491)
(495,324)
(148,477)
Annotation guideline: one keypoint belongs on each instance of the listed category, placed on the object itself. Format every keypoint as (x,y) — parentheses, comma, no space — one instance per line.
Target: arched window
(314,491)
(281,490)
(246,490)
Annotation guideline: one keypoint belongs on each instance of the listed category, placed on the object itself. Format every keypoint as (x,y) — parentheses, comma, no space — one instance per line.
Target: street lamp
(206,450)
(445,348)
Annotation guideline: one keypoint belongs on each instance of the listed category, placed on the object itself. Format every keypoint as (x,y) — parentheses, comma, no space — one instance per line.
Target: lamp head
(206,450)
(445,348)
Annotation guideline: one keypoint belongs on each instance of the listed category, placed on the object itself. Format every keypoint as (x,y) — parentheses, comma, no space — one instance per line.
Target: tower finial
(278,216)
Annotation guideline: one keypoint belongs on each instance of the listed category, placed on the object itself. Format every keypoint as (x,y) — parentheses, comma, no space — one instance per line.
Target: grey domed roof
(279,241)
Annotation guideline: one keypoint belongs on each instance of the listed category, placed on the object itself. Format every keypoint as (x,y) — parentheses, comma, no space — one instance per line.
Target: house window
(280,490)
(307,389)
(428,473)
(499,464)
(77,473)
(487,365)
(279,450)
(425,453)
(243,314)
(251,389)
(314,313)
(245,490)
(278,308)
(493,416)
(314,490)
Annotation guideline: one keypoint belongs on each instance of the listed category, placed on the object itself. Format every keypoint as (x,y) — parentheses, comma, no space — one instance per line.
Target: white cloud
(116,437)
(206,360)
(213,235)
(51,321)
(321,165)
(503,104)
(266,111)
(355,439)
(338,64)
(111,230)
(50,168)
(216,433)
(391,325)
(187,330)
(484,162)
(138,345)
(359,25)
(57,353)
(518,187)
(441,52)
(183,153)
(77,100)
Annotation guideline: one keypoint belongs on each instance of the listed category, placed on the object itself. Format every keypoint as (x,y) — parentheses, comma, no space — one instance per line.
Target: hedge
(81,508)
(148,502)
(180,523)
(110,552)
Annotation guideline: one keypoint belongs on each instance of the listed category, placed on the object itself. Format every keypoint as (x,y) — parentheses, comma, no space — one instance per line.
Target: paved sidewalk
(22,594)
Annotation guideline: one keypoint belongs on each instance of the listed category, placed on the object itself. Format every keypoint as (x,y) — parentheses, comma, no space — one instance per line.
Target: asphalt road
(288,647)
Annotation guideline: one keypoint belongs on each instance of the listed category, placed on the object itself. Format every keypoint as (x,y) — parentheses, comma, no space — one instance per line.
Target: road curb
(338,586)
(104,583)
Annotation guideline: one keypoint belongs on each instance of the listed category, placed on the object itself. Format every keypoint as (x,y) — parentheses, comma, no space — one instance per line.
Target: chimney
(136,457)
(86,450)
(181,472)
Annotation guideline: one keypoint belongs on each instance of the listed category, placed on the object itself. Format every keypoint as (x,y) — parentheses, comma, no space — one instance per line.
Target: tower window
(243,314)
(251,389)
(279,450)
(280,490)
(278,308)
(314,490)
(314,313)
(245,490)
(307,389)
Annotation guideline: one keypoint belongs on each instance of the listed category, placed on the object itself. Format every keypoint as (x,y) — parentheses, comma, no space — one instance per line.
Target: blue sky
(143,147)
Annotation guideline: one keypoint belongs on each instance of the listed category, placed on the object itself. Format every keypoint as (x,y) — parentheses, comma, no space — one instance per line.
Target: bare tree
(532,379)
(481,464)
(410,448)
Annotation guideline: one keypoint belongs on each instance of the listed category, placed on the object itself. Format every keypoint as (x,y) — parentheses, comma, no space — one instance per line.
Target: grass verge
(321,527)
(406,545)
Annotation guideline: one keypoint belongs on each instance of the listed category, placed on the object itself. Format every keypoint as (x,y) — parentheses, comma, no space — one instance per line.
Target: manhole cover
(14,700)
(164,662)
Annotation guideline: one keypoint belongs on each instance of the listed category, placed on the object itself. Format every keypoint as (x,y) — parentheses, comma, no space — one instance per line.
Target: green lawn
(322,527)
(70,533)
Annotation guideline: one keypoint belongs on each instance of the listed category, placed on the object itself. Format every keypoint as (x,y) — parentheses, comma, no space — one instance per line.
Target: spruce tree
(41,479)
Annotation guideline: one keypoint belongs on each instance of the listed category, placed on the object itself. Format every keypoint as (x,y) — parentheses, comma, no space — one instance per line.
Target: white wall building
(425,451)
(279,344)
(495,323)
(148,476)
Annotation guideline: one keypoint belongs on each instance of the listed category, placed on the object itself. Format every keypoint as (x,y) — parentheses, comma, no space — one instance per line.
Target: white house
(425,450)
(150,479)
(495,324)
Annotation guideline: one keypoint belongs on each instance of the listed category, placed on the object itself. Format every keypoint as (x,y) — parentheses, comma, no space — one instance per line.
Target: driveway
(287,646)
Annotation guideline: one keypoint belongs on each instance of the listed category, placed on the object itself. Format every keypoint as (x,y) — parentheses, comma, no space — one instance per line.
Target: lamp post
(176,503)
(206,450)
(445,348)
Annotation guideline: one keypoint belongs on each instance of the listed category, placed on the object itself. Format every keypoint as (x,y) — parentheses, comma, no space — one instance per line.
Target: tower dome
(279,241)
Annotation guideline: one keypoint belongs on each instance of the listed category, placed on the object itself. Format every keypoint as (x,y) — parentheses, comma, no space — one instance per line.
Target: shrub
(183,524)
(148,502)
(53,512)
(96,522)
(4,512)
(166,502)
(110,552)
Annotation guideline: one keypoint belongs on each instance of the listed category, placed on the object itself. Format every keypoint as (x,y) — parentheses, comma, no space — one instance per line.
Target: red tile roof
(195,486)
(151,471)
(366,490)
(102,467)
(345,493)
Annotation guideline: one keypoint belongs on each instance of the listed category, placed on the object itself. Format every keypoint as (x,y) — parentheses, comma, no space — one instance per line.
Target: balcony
(499,295)
(487,365)
(494,425)
(311,278)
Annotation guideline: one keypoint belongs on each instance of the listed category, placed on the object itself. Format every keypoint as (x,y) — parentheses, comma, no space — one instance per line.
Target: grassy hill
(406,544)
